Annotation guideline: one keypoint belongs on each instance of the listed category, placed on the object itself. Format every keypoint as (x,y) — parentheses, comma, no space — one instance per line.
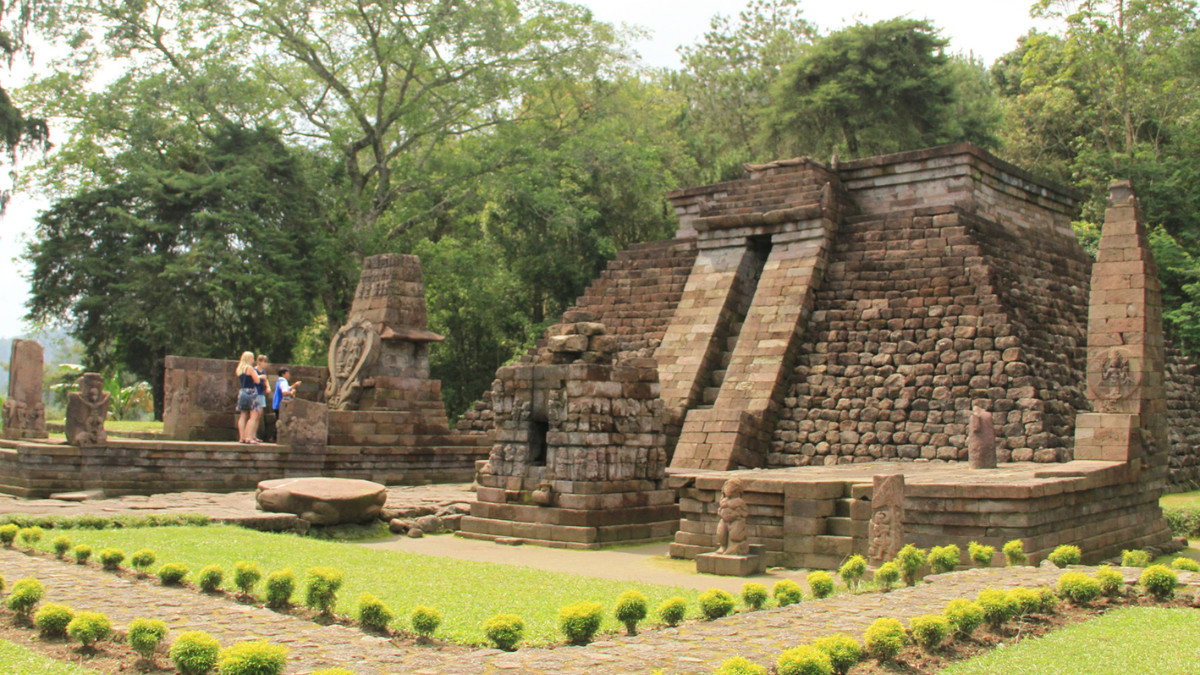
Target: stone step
(845,527)
(726,357)
(710,394)
(718,376)
(731,343)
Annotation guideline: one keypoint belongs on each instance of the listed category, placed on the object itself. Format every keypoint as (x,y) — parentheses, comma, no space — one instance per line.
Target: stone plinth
(323,501)
(304,428)
(86,412)
(733,565)
(24,412)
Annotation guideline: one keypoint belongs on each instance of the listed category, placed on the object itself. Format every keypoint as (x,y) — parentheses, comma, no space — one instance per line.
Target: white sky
(988,29)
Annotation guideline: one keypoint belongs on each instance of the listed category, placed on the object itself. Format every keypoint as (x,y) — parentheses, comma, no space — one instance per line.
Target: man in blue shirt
(283,390)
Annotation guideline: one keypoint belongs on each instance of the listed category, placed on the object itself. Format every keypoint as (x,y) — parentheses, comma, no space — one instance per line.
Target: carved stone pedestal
(733,565)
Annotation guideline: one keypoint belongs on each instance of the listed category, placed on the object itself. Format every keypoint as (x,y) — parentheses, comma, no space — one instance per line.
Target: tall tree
(18,131)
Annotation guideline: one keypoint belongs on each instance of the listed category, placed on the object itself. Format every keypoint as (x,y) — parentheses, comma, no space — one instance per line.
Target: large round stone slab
(323,501)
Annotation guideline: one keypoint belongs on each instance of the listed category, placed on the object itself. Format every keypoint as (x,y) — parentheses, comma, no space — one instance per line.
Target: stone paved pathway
(692,648)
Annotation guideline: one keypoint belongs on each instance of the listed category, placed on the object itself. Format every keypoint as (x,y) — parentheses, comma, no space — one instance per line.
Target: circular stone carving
(323,501)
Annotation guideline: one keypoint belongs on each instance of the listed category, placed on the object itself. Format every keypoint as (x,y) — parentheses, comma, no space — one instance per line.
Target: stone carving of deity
(732,510)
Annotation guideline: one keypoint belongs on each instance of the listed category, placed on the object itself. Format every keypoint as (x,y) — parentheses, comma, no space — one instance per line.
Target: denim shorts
(248,400)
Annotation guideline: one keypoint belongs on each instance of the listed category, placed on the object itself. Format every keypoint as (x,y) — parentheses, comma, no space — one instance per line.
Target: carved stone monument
(87,410)
(24,412)
(323,501)
(735,555)
(304,428)
(887,518)
(981,443)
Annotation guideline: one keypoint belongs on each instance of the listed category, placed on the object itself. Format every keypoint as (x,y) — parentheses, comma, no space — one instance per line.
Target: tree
(215,250)
(18,131)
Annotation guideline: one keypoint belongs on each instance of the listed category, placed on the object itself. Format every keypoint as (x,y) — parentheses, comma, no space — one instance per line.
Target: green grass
(1181,499)
(1124,641)
(466,592)
(18,660)
(133,425)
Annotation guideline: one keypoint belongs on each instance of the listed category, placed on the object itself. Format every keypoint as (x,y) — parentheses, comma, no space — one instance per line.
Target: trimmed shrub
(1159,581)
(929,631)
(1135,559)
(142,560)
(843,651)
(1078,588)
(82,553)
(852,571)
(195,653)
(1112,583)
(997,608)
(716,603)
(887,575)
(89,628)
(252,658)
(1,582)
(51,620)
(323,585)
(8,534)
(30,536)
(943,559)
(580,621)
(981,555)
(25,595)
(246,576)
(1185,565)
(144,636)
(425,620)
(209,578)
(1048,598)
(821,584)
(505,631)
(1184,520)
(884,639)
(61,545)
(910,560)
(1065,555)
(1024,601)
(280,586)
(671,611)
(111,558)
(172,574)
(804,660)
(631,609)
(964,616)
(754,595)
(1014,553)
(787,592)
(739,665)
(373,615)
(333,671)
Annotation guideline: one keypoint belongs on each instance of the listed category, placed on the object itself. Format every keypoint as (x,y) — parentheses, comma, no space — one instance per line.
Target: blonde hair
(246,363)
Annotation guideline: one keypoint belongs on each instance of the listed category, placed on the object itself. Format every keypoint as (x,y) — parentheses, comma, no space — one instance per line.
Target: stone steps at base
(586,537)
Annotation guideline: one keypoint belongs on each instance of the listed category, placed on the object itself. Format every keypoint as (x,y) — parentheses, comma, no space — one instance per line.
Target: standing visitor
(262,387)
(283,389)
(247,402)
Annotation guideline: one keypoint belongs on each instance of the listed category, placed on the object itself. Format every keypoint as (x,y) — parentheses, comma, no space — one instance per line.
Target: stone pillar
(86,412)
(304,427)
(24,412)
(887,518)
(981,444)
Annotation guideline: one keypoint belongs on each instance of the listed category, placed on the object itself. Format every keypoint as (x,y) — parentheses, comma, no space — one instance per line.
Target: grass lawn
(18,660)
(133,425)
(1124,641)
(1181,499)
(467,593)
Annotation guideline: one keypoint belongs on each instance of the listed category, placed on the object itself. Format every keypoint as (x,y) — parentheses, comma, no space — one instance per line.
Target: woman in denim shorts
(247,403)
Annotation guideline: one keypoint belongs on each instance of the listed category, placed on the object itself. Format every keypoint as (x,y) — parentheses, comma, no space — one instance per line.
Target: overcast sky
(987,29)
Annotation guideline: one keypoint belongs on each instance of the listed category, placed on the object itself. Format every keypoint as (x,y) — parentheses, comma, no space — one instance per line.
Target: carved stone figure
(981,444)
(353,351)
(24,412)
(1117,380)
(86,412)
(731,531)
(887,519)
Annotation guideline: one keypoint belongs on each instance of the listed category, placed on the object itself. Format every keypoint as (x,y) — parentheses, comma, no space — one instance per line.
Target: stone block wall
(1183,420)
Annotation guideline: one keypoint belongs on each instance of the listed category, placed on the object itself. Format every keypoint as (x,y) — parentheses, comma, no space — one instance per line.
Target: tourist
(283,389)
(247,402)
(262,387)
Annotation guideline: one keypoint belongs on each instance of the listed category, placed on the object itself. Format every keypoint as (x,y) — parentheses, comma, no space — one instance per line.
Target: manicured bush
(246,576)
(144,636)
(929,631)
(373,615)
(787,592)
(1,582)
(1184,520)
(1014,553)
(61,545)
(1185,564)
(172,574)
(852,571)
(887,575)
(964,616)
(142,559)
(821,584)
(1159,581)
(672,611)
(843,651)
(884,639)
(209,578)
(754,595)
(25,595)
(1135,559)
(280,586)
(716,603)
(505,631)
(252,658)
(1078,588)
(739,665)
(8,534)
(195,653)
(803,660)
(1049,599)
(111,558)
(30,536)
(910,560)
(631,610)
(425,620)
(323,585)
(82,553)
(51,620)
(981,555)
(1065,555)
(997,608)
(944,559)
(1112,583)
(580,621)
(1024,601)
(89,628)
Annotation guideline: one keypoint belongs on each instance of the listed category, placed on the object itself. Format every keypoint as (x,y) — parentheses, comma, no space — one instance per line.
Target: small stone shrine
(24,412)
(887,518)
(304,428)
(87,410)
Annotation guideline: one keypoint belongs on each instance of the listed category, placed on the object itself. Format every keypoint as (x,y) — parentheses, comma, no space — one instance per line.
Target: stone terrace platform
(815,517)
